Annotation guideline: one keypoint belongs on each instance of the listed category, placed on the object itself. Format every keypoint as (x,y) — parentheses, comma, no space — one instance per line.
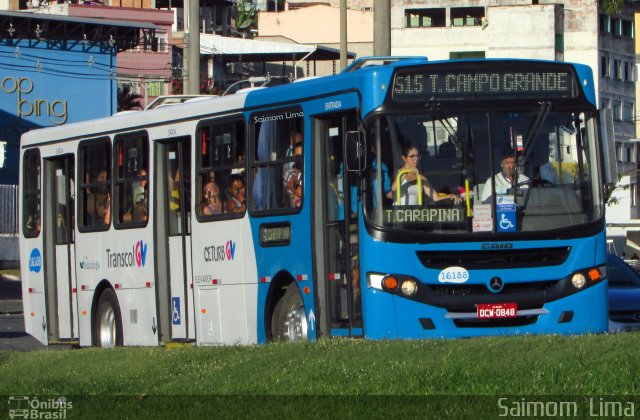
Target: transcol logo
(136,257)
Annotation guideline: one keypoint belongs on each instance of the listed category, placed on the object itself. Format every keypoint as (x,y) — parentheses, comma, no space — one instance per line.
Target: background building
(54,70)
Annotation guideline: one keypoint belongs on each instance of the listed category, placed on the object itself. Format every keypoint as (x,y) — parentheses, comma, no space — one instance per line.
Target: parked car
(624,296)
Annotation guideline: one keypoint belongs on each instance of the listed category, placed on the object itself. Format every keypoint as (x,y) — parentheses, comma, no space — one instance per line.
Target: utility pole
(382,27)
(343,34)
(192,87)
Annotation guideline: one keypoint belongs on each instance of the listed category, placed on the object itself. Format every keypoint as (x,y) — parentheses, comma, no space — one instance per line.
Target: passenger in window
(33,224)
(141,190)
(98,200)
(211,201)
(507,178)
(294,139)
(293,180)
(138,210)
(407,178)
(103,209)
(174,191)
(235,195)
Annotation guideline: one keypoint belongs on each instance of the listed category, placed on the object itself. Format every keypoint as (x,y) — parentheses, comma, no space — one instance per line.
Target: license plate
(497,310)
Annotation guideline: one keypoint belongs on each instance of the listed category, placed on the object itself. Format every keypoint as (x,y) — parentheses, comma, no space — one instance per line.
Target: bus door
(336,245)
(59,248)
(173,239)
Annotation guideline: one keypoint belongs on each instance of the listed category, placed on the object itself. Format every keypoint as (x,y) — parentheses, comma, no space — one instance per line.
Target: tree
(612,7)
(245,16)
(127,99)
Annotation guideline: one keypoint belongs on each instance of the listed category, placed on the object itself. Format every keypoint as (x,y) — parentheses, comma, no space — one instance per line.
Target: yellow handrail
(399,177)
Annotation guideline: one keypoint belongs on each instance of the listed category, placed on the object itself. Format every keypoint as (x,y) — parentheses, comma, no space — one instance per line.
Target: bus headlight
(409,287)
(578,280)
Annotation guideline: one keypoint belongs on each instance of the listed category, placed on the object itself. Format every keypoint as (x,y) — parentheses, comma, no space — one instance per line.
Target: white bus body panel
(33,296)
(226,283)
(125,259)
(67,313)
(183,309)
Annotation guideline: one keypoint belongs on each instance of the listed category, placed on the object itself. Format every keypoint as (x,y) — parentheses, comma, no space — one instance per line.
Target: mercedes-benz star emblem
(496,284)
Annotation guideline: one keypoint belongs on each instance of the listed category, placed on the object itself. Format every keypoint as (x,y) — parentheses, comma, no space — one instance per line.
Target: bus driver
(507,178)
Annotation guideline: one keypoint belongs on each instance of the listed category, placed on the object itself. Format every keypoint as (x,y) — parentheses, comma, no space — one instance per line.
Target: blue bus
(401,198)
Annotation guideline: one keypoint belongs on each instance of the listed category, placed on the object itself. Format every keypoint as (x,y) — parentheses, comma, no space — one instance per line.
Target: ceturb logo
(136,257)
(220,252)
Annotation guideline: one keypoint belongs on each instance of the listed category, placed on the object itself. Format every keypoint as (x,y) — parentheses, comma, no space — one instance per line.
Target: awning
(239,49)
(42,26)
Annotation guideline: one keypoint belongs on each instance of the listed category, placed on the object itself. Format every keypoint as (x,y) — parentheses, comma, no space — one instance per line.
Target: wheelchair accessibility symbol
(507,222)
(175,304)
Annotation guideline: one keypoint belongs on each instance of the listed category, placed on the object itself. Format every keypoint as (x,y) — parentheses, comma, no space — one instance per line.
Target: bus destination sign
(452,84)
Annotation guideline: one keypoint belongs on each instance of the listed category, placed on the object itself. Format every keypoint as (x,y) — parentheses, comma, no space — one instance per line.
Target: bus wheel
(289,320)
(107,326)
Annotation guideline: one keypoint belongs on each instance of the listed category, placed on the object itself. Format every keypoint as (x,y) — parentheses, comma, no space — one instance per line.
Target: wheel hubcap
(108,328)
(296,324)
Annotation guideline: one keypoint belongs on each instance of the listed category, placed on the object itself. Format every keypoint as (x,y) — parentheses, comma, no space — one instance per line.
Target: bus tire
(107,324)
(289,319)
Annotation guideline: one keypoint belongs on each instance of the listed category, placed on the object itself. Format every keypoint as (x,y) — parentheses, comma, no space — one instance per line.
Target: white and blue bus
(360,205)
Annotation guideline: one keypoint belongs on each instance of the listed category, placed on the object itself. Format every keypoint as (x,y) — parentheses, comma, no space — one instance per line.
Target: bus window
(94,191)
(31,194)
(131,181)
(277,168)
(221,175)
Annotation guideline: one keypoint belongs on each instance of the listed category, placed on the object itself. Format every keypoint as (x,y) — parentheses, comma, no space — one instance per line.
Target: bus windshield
(484,172)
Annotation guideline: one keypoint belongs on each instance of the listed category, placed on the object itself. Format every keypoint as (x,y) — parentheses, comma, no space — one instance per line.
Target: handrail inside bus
(380,61)
(399,177)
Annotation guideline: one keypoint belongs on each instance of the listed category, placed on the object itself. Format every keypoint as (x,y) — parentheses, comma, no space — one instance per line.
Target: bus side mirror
(608,148)
(356,151)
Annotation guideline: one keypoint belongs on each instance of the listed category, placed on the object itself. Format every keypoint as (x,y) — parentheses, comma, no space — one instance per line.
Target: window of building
(616,26)
(617,69)
(278,161)
(605,66)
(627,28)
(628,111)
(467,16)
(31,194)
(94,190)
(616,110)
(131,180)
(458,55)
(158,43)
(628,72)
(425,18)
(221,175)
(605,103)
(559,43)
(605,24)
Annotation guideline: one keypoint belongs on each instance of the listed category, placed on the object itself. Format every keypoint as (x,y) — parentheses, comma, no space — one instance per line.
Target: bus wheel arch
(285,315)
(106,319)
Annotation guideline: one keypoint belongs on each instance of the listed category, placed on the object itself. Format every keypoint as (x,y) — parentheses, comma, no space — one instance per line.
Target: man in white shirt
(506,179)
